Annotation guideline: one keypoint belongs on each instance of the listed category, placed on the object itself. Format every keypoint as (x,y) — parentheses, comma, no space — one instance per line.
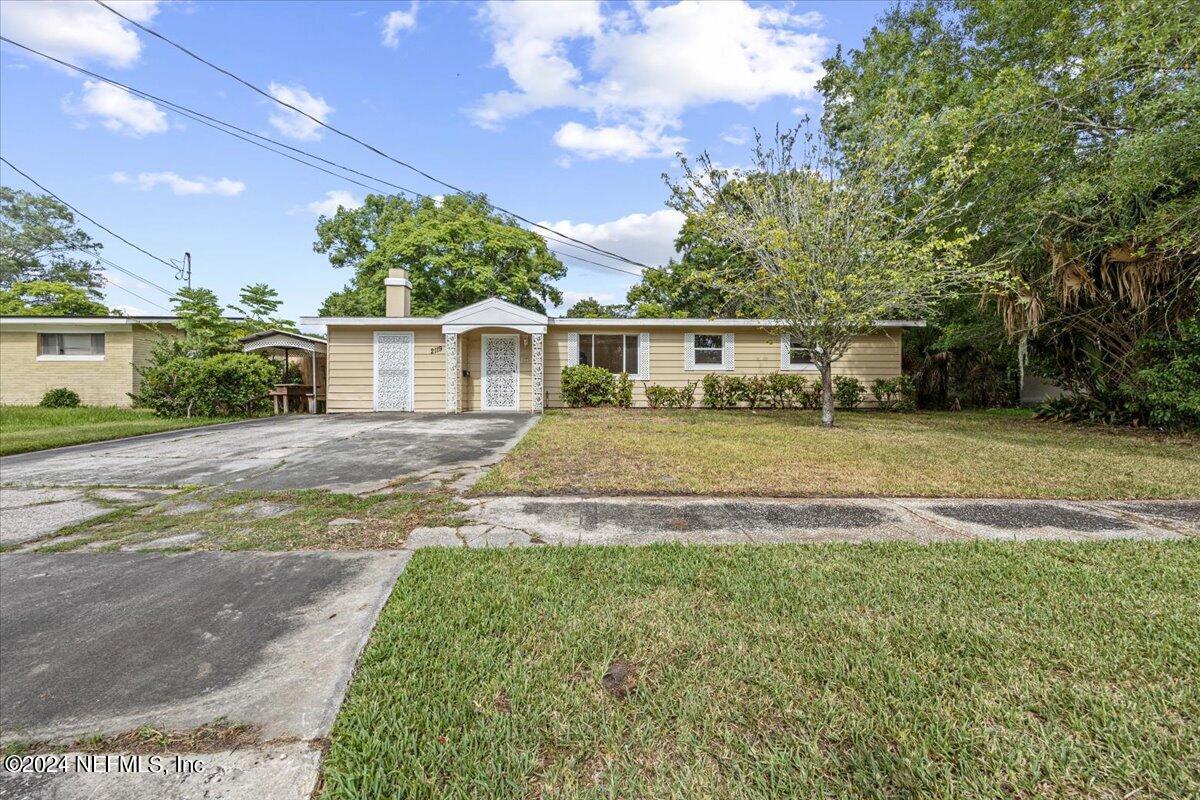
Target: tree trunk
(827,395)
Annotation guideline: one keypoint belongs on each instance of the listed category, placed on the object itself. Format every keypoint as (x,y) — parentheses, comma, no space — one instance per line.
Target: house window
(709,349)
(615,352)
(795,356)
(88,346)
(800,357)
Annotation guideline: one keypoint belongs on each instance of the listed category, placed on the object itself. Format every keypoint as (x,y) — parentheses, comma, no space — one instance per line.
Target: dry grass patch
(263,520)
(147,740)
(1003,454)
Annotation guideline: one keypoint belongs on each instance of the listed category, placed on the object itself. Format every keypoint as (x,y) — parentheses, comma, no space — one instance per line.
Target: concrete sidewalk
(523,521)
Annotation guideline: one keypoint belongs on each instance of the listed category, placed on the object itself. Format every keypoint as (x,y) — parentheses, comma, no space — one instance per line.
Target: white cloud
(621,142)
(77,31)
(737,134)
(333,200)
(179,185)
(295,125)
(648,238)
(397,21)
(641,67)
(118,110)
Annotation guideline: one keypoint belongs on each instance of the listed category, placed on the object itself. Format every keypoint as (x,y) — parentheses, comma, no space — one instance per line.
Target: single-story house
(94,356)
(497,356)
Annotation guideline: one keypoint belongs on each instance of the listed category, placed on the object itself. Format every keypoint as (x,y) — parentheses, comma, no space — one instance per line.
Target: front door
(393,372)
(501,371)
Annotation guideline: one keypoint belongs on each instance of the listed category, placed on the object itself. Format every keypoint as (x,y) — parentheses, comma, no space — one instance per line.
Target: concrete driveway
(340,452)
(104,643)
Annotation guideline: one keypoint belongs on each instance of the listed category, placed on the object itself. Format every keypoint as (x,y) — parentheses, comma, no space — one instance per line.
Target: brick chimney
(398,294)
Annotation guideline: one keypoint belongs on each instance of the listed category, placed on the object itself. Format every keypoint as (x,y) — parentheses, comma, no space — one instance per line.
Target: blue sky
(567,114)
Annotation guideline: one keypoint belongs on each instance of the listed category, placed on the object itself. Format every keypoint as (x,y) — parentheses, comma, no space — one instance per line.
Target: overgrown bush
(778,388)
(60,398)
(671,396)
(586,386)
(1166,393)
(622,392)
(809,395)
(895,394)
(848,391)
(230,384)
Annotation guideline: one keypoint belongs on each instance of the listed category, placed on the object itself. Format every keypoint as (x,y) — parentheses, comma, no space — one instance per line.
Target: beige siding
(351,371)
(24,379)
(755,353)
(351,362)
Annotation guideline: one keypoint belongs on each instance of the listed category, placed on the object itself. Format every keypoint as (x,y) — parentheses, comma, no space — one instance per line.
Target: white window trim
(689,352)
(785,357)
(70,358)
(643,365)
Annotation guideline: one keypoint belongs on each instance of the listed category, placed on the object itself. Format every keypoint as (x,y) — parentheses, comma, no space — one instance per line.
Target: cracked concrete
(355,453)
(526,521)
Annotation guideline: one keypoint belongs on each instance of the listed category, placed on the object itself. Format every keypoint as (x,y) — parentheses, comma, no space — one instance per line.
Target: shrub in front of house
(584,386)
(720,391)
(60,398)
(848,391)
(671,396)
(895,394)
(230,384)
(622,392)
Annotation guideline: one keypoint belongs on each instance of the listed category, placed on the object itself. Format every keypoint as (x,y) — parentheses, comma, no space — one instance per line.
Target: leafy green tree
(830,250)
(687,287)
(259,307)
(457,251)
(1089,194)
(591,308)
(39,242)
(48,299)
(207,332)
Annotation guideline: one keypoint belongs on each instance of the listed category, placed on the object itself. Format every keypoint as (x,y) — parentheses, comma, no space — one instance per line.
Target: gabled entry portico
(487,347)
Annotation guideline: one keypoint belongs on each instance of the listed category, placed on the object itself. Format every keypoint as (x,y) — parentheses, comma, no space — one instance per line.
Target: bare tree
(835,242)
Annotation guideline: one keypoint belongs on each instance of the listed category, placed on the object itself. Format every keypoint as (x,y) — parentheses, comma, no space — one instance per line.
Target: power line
(358,141)
(244,135)
(16,169)
(115,285)
(133,274)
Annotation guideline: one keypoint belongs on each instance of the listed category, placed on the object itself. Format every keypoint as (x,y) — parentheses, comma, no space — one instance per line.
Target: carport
(280,344)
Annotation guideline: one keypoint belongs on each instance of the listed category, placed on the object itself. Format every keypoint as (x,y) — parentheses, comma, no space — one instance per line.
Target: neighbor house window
(71,345)
(615,352)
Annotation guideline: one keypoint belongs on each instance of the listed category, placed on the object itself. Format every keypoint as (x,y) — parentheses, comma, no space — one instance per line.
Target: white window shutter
(785,350)
(727,351)
(689,351)
(643,357)
(572,349)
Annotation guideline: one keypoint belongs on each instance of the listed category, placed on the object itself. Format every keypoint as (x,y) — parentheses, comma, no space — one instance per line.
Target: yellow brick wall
(24,379)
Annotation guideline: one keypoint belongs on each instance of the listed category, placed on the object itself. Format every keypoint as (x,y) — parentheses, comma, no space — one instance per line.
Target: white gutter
(588,322)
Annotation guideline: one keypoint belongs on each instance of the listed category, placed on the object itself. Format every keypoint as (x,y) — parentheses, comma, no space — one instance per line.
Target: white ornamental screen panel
(393,371)
(501,372)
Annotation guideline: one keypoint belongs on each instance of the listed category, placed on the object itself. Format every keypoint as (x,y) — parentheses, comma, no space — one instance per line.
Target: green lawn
(787,453)
(26,428)
(874,671)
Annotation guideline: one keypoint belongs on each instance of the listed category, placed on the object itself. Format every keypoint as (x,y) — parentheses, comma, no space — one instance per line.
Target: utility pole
(184,273)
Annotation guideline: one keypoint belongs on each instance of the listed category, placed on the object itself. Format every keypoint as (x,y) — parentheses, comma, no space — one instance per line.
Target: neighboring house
(496,356)
(94,356)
